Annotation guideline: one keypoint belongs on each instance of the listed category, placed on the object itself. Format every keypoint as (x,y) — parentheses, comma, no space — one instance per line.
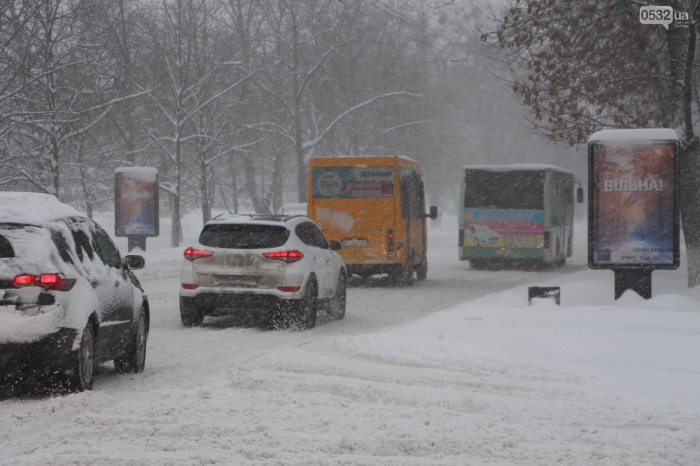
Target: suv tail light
(192,253)
(546,240)
(390,240)
(286,256)
(48,281)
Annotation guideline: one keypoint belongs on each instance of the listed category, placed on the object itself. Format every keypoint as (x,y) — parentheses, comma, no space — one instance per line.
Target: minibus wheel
(422,271)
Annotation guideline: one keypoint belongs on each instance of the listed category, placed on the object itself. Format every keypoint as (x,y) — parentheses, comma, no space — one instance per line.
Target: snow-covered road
(395,383)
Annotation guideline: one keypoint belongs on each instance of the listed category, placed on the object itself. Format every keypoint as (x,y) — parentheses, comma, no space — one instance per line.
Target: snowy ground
(456,370)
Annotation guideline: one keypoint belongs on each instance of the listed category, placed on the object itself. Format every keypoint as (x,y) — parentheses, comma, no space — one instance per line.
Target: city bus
(516,212)
(375,207)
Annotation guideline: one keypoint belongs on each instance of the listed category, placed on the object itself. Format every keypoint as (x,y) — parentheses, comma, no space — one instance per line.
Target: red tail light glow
(289,289)
(189,286)
(25,280)
(286,256)
(390,240)
(192,253)
(48,281)
(52,281)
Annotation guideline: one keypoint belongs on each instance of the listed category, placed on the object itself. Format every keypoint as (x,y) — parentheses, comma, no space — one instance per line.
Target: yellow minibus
(375,207)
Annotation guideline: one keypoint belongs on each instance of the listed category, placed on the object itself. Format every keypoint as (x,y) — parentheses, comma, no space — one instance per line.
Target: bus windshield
(504,190)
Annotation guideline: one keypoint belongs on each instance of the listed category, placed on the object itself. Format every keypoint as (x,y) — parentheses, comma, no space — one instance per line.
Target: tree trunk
(690,170)
(204,189)
(176,227)
(252,186)
(690,208)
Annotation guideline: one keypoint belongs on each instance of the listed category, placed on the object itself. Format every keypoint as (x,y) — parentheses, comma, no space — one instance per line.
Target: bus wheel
(403,276)
(477,264)
(422,271)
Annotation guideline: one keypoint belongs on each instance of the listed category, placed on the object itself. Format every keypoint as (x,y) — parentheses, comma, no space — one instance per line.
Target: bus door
(413,216)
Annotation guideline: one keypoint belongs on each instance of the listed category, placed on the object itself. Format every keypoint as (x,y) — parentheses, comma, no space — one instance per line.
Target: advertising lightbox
(136,202)
(633,199)
(348,182)
(520,228)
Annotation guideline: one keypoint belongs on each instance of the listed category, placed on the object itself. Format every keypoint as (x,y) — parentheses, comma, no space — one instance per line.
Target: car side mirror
(134,262)
(335,245)
(433,213)
(579,195)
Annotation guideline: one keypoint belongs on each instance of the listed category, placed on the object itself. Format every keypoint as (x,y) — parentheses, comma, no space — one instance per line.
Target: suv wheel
(84,368)
(190,315)
(307,314)
(337,306)
(134,360)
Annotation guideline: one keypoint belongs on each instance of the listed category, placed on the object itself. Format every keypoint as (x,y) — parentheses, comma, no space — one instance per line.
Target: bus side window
(411,194)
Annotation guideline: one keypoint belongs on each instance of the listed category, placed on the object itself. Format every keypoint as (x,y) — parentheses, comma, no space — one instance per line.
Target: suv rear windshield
(243,236)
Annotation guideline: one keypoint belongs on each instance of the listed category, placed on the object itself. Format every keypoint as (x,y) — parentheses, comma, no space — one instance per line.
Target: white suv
(277,265)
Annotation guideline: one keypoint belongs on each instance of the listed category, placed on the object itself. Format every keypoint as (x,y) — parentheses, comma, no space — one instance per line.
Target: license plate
(355,243)
(236,280)
(520,241)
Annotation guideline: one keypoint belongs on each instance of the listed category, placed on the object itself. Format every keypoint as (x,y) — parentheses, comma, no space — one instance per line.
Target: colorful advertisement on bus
(136,202)
(350,182)
(517,228)
(634,205)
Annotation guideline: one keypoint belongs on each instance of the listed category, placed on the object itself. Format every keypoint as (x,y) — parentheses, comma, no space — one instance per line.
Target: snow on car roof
(33,208)
(647,134)
(515,167)
(404,157)
(263,219)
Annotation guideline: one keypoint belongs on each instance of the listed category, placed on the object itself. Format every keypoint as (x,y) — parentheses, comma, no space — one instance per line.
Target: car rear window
(6,249)
(242,236)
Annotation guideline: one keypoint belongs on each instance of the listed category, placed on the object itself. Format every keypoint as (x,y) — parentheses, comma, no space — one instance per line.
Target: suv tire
(134,360)
(190,315)
(337,305)
(308,306)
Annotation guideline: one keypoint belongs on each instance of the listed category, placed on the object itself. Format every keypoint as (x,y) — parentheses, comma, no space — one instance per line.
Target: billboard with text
(633,208)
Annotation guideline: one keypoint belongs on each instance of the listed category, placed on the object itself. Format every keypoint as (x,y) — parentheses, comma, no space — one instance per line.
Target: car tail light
(24,280)
(546,240)
(460,238)
(286,256)
(390,240)
(52,281)
(289,289)
(189,286)
(192,253)
(48,281)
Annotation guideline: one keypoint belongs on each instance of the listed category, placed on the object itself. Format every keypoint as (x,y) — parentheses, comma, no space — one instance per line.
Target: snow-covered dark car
(277,265)
(68,299)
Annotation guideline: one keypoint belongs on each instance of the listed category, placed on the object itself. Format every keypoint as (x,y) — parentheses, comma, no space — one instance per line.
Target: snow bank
(646,349)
